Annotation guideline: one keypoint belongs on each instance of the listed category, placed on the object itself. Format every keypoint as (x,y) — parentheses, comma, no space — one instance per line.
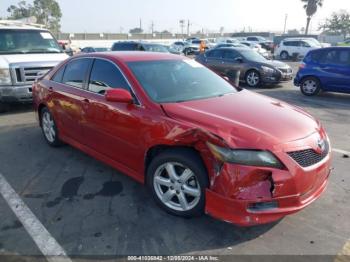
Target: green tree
(311,7)
(21,10)
(136,30)
(47,12)
(338,23)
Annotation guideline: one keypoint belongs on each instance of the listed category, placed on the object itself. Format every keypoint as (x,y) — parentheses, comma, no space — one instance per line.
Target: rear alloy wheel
(284,55)
(310,86)
(49,128)
(253,78)
(178,180)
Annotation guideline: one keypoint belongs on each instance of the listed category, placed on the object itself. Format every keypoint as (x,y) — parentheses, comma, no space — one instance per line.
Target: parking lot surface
(92,210)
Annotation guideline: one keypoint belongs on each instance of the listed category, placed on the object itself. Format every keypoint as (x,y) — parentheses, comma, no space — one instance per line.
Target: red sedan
(200,144)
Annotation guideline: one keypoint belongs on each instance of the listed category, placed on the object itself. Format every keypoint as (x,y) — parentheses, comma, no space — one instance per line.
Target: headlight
(5,77)
(245,157)
(268,69)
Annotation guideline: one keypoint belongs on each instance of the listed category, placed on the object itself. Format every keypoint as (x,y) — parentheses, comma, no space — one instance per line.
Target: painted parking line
(42,238)
(340,151)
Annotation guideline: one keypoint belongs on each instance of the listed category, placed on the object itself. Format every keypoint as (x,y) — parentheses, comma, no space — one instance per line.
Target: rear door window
(217,54)
(76,71)
(231,55)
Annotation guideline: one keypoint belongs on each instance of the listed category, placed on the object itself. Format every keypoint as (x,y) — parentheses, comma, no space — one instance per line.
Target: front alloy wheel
(177,180)
(310,86)
(177,186)
(253,78)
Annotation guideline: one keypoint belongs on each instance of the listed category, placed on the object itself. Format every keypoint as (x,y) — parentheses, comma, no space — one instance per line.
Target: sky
(114,16)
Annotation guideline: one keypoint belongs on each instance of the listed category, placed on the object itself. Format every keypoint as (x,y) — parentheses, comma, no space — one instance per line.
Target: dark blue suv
(326,69)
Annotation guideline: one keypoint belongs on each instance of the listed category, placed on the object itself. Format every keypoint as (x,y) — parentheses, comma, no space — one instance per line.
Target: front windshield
(253,56)
(156,48)
(14,41)
(169,81)
(313,42)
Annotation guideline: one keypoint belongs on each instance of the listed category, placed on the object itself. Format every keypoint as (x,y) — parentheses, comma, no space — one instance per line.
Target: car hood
(246,119)
(33,58)
(276,63)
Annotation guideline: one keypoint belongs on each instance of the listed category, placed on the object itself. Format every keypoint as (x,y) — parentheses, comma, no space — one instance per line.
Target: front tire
(177,180)
(49,128)
(253,78)
(310,86)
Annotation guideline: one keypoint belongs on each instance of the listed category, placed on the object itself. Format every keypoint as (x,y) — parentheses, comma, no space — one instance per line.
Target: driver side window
(105,75)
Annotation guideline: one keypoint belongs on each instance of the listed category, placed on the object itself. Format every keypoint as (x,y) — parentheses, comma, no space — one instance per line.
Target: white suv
(291,47)
(26,52)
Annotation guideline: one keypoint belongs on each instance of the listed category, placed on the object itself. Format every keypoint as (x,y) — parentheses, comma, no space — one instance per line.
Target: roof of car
(133,56)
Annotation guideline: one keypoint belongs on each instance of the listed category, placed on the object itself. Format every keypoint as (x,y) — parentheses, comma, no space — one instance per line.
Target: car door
(232,61)
(214,60)
(304,48)
(67,86)
(111,128)
(336,70)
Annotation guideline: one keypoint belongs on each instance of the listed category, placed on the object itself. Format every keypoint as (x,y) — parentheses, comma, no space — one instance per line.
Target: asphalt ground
(95,212)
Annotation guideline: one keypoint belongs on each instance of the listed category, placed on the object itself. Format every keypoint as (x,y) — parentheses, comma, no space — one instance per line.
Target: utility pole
(182,25)
(188,27)
(285,23)
(152,27)
(140,24)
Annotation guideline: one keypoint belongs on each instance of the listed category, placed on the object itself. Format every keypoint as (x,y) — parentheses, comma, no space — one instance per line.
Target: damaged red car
(200,144)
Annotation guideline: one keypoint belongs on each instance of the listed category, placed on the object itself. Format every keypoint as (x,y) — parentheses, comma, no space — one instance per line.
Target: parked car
(192,46)
(262,41)
(254,69)
(289,48)
(230,45)
(26,52)
(90,49)
(326,69)
(139,46)
(197,142)
(178,46)
(257,48)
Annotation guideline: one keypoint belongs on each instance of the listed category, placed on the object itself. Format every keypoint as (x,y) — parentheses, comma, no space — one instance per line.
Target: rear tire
(284,55)
(310,86)
(49,128)
(177,180)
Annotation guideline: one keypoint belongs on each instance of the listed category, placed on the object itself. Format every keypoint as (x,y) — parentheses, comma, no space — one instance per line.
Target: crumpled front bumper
(248,195)
(16,93)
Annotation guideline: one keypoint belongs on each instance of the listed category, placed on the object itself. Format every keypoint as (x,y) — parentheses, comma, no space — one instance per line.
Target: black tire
(249,82)
(3,107)
(310,86)
(190,160)
(284,55)
(55,141)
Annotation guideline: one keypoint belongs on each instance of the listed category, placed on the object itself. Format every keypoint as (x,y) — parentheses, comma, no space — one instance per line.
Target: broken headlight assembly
(245,157)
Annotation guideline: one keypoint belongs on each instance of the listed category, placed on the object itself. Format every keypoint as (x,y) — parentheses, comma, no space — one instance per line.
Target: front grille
(308,157)
(28,75)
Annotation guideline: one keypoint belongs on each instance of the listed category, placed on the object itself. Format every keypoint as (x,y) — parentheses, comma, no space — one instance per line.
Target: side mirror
(239,60)
(118,95)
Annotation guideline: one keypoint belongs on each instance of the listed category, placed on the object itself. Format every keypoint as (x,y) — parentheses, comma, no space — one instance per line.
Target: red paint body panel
(121,134)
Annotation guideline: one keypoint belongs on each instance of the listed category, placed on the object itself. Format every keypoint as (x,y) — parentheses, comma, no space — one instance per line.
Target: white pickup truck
(26,52)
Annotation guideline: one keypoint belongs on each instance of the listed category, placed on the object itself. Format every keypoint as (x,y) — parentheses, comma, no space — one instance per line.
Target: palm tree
(310,7)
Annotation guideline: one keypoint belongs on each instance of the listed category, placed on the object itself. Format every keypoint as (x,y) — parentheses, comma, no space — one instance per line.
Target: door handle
(86,100)
(50,89)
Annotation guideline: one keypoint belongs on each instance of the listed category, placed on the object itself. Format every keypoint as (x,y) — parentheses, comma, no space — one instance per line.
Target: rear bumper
(238,212)
(16,93)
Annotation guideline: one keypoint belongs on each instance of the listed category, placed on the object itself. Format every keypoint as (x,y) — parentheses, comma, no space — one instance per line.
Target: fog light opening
(262,206)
